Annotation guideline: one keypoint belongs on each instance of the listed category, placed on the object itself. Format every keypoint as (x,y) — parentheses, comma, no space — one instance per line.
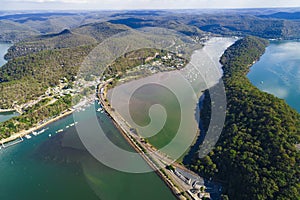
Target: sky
(140,4)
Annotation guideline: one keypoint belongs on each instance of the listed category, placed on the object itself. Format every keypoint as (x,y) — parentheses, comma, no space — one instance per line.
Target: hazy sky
(141,4)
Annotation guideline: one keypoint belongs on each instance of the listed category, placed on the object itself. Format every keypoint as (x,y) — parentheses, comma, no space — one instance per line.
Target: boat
(72,124)
(59,131)
(42,131)
(34,133)
(102,111)
(27,137)
(67,126)
(49,135)
(261,82)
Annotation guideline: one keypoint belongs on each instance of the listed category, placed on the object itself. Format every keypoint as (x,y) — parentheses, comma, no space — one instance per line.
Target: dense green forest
(27,77)
(85,35)
(255,157)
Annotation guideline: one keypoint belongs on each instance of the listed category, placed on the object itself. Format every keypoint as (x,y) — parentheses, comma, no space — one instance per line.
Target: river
(278,71)
(57,166)
(175,121)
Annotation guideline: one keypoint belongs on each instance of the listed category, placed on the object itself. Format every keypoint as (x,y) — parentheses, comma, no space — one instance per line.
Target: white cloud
(149,4)
(54,1)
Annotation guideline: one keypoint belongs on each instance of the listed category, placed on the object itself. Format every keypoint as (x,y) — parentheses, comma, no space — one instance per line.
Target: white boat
(102,111)
(49,135)
(34,133)
(27,137)
(72,124)
(59,131)
(67,126)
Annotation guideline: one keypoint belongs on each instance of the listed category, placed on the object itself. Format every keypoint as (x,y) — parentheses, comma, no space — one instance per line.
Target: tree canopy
(255,157)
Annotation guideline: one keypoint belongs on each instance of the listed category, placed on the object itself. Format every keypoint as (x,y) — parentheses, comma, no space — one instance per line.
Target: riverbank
(124,129)
(26,132)
(157,160)
(248,119)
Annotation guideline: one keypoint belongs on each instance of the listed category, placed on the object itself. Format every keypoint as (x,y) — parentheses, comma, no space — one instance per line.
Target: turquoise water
(278,72)
(59,167)
(4,116)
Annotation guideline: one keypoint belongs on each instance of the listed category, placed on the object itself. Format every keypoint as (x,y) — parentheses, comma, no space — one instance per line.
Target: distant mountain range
(283,15)
(265,23)
(87,34)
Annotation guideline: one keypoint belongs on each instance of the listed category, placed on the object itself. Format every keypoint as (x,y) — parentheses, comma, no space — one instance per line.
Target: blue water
(60,168)
(278,72)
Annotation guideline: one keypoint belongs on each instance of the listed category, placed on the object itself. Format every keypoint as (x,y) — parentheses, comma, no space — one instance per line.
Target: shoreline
(7,110)
(27,132)
(133,143)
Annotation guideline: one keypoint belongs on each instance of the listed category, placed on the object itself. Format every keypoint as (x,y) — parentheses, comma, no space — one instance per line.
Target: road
(156,159)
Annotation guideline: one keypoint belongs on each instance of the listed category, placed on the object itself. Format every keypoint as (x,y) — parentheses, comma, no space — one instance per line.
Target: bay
(57,166)
(278,71)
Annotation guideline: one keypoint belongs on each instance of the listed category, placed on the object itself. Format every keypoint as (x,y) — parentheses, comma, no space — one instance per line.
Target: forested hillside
(27,77)
(255,157)
(84,35)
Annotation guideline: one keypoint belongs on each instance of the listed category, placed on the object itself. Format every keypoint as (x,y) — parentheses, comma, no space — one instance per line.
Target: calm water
(4,116)
(59,167)
(177,93)
(3,50)
(278,72)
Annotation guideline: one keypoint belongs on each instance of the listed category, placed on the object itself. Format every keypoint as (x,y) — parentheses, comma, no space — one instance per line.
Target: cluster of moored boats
(68,126)
(33,133)
(36,133)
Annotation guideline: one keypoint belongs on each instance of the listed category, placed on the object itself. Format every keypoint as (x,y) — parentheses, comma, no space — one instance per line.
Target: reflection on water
(278,72)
